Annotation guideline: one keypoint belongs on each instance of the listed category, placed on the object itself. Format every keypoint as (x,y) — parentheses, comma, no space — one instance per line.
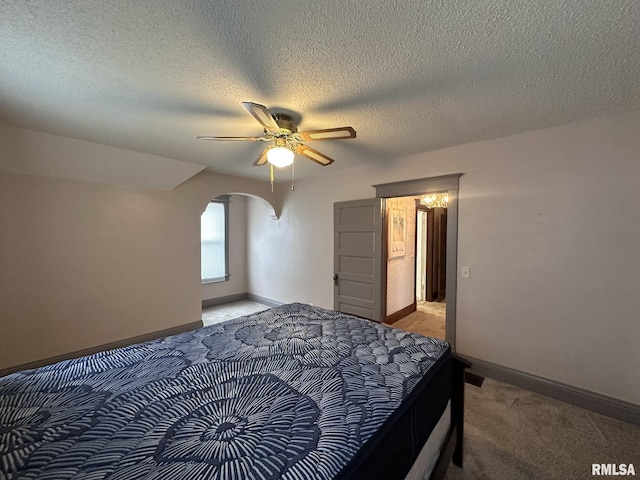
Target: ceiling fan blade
(328,134)
(314,155)
(230,138)
(262,159)
(263,115)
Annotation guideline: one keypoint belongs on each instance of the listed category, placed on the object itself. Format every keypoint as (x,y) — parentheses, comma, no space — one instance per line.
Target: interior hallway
(428,319)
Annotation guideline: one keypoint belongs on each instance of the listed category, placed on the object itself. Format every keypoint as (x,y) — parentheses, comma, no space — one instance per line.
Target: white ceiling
(409,76)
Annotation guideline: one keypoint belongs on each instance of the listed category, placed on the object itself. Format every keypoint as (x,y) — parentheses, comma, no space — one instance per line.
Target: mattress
(295,392)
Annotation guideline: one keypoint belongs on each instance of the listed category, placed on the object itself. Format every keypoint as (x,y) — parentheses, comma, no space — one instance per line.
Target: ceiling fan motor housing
(285,122)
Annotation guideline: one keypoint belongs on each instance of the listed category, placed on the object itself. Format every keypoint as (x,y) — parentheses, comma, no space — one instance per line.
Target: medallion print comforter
(293,392)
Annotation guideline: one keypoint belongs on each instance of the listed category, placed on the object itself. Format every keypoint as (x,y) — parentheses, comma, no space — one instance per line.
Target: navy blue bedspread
(293,392)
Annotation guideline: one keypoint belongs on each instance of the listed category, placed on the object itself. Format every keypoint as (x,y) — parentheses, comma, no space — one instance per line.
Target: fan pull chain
(293,165)
(271,165)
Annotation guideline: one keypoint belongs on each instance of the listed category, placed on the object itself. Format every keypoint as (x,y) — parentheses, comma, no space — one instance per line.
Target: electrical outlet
(464,272)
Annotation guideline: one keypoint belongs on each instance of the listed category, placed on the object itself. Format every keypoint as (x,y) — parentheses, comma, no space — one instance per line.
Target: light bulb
(280,156)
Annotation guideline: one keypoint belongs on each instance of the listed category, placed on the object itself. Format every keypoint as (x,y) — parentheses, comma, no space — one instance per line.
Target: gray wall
(84,264)
(549,225)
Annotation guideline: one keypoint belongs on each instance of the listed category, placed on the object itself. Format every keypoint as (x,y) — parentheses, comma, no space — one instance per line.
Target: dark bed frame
(455,436)
(397,445)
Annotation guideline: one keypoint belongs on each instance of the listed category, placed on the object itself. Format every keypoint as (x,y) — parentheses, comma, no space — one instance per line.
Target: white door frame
(421,250)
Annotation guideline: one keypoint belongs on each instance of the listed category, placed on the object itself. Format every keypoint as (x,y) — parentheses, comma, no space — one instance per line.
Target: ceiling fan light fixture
(282,129)
(280,157)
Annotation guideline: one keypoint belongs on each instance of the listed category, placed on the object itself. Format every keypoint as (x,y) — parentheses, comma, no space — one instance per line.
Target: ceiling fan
(282,130)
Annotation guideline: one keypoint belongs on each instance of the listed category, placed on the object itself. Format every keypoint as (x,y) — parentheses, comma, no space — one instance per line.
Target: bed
(295,392)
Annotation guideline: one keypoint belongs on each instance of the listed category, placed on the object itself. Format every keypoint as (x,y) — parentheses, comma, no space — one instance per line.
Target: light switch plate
(464,272)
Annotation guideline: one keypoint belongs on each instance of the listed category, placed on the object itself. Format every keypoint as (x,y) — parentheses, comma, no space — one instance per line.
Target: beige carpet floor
(227,311)
(428,319)
(511,433)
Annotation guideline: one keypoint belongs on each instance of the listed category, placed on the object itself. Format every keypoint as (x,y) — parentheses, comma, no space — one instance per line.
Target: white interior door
(421,257)
(357,254)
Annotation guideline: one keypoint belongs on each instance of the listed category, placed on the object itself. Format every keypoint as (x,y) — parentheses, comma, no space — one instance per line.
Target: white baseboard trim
(602,404)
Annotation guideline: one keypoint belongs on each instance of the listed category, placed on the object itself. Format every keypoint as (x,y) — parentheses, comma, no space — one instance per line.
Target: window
(214,247)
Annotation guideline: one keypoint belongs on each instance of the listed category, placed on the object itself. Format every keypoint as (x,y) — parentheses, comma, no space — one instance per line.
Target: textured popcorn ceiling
(409,76)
